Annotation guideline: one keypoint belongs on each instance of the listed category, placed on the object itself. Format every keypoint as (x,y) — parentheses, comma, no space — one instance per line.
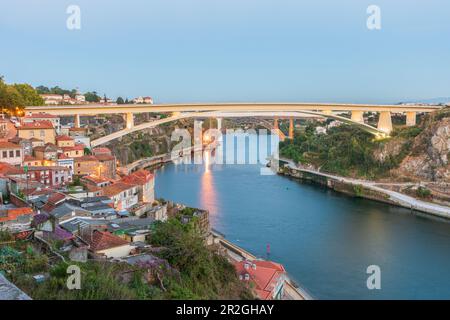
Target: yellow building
(42,130)
(65,141)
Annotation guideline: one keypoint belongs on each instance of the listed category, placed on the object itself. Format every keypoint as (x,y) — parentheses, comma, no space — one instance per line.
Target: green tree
(29,95)
(120,100)
(92,96)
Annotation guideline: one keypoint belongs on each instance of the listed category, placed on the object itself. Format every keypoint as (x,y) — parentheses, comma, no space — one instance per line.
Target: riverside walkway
(396,197)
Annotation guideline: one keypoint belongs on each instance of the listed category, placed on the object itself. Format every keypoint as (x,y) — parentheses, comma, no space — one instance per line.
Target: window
(11,153)
(17,153)
(42,133)
(5,154)
(31,134)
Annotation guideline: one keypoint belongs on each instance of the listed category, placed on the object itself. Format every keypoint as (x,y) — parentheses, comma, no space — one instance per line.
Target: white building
(11,153)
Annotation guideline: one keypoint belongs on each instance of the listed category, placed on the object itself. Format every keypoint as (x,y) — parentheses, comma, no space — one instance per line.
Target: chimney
(247,276)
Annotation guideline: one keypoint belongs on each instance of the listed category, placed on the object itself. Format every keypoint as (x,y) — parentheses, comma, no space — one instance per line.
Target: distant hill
(441,100)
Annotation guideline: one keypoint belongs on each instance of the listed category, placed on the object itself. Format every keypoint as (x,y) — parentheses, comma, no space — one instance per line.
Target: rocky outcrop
(430,152)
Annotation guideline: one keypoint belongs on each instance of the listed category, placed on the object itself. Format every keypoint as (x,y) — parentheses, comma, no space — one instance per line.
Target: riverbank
(235,253)
(363,189)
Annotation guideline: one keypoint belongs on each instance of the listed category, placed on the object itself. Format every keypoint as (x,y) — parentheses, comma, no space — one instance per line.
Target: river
(324,239)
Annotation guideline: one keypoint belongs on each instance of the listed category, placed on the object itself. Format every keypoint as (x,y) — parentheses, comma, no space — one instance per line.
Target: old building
(47,152)
(42,130)
(86,165)
(50,175)
(107,165)
(55,120)
(65,141)
(265,278)
(145,182)
(124,195)
(11,153)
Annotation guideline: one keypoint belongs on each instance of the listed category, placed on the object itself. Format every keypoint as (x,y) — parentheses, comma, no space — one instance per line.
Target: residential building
(148,100)
(124,195)
(64,141)
(96,181)
(11,153)
(52,99)
(105,244)
(86,165)
(266,278)
(138,100)
(31,161)
(42,130)
(26,144)
(65,161)
(48,152)
(107,165)
(55,120)
(80,98)
(50,175)
(13,218)
(145,182)
(74,151)
(101,150)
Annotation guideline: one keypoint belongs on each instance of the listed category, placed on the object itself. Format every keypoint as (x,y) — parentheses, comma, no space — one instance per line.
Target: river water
(324,239)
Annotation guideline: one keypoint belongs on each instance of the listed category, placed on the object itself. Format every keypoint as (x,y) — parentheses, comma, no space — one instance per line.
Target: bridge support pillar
(130,120)
(411,118)
(219,124)
(77,121)
(291,128)
(358,116)
(385,122)
(275,124)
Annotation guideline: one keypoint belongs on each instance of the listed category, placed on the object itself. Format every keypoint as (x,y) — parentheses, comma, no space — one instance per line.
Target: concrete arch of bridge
(221,114)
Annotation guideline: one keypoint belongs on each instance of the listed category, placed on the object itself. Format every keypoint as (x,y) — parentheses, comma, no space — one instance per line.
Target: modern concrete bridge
(220,110)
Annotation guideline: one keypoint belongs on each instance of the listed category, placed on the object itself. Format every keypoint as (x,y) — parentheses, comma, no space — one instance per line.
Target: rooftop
(44,124)
(117,188)
(101,240)
(9,145)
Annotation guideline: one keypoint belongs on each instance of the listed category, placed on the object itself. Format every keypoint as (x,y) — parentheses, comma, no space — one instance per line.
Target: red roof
(101,240)
(105,157)
(44,124)
(101,150)
(116,188)
(76,147)
(64,138)
(263,274)
(8,169)
(9,145)
(139,177)
(13,214)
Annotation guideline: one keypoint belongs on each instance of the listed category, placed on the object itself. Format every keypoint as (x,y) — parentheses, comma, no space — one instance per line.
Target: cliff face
(429,158)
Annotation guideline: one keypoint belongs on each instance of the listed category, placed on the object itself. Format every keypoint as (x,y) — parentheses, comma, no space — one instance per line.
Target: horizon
(220,51)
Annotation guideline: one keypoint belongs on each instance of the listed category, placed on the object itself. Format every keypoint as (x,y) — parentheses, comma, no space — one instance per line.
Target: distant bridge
(223,110)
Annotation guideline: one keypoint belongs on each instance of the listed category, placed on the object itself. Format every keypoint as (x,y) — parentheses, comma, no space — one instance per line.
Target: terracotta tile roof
(117,188)
(8,169)
(95,179)
(101,150)
(30,158)
(105,157)
(44,124)
(13,214)
(64,138)
(9,145)
(86,158)
(76,147)
(101,240)
(265,275)
(139,177)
